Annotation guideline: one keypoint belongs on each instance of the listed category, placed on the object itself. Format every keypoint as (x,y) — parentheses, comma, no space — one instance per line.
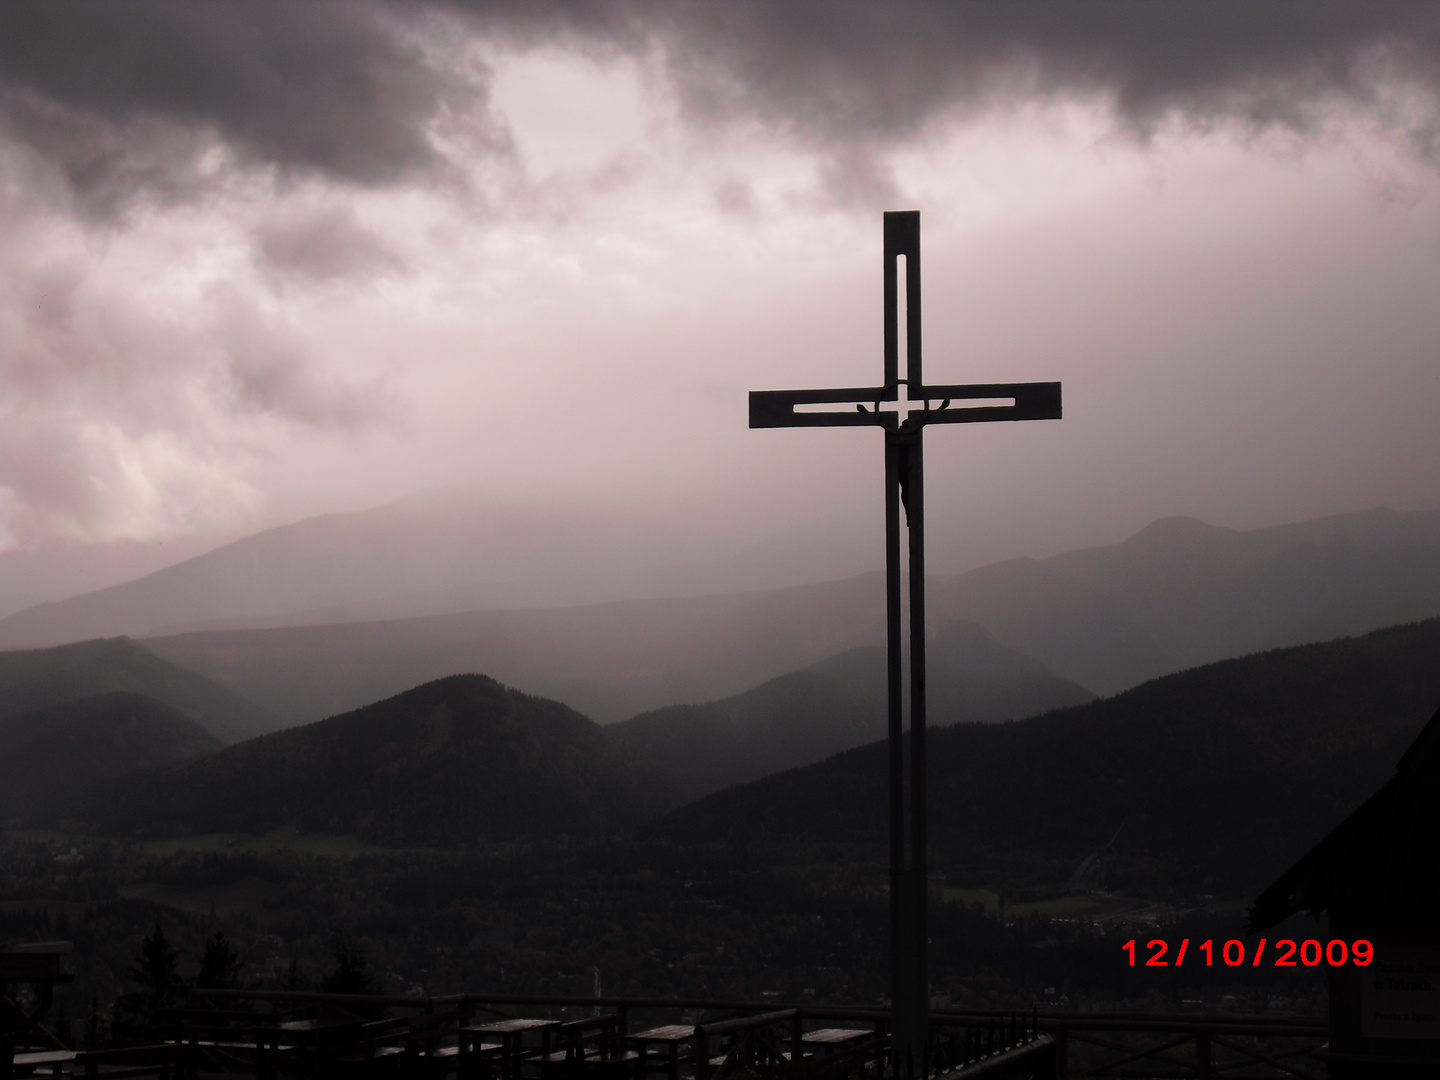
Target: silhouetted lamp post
(916,406)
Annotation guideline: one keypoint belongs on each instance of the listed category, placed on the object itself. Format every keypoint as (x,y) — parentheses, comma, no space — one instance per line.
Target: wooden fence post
(702,1054)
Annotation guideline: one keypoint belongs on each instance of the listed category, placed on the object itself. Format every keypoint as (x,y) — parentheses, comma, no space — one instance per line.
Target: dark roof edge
(1287,896)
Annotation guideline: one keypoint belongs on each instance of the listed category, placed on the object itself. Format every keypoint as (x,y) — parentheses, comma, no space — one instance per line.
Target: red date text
(1284,953)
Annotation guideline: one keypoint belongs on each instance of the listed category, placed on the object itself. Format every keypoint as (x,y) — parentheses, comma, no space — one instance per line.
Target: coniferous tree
(156,970)
(352,968)
(351,975)
(220,965)
(294,979)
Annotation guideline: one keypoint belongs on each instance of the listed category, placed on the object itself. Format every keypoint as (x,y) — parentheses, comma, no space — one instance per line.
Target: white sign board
(1400,992)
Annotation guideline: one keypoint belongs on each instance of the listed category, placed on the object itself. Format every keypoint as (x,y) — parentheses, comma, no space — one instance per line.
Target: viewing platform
(271,1034)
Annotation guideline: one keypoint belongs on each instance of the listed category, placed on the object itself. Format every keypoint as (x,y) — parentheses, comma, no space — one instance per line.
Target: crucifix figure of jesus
(903,407)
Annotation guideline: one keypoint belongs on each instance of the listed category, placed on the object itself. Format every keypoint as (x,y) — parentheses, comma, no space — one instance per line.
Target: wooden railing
(716,1040)
(1183,1046)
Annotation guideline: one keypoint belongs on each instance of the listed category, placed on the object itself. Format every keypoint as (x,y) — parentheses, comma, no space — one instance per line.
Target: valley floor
(656,919)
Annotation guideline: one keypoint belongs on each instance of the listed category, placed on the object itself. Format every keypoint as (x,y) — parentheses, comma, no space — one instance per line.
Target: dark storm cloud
(877,72)
(126,97)
(853,79)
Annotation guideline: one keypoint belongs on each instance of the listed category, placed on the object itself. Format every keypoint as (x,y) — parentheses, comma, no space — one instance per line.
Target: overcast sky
(265,260)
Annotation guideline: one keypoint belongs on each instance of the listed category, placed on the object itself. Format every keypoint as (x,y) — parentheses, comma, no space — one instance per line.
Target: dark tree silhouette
(156,971)
(93,1026)
(220,965)
(294,979)
(352,969)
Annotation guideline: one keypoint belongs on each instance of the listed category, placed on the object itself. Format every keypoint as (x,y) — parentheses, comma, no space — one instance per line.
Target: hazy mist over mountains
(1220,775)
(434,552)
(1213,778)
(453,760)
(731,724)
(336,612)
(685,751)
(701,692)
(40,679)
(839,703)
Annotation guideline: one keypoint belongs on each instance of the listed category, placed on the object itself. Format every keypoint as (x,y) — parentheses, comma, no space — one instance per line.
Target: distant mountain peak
(1178,530)
(1178,592)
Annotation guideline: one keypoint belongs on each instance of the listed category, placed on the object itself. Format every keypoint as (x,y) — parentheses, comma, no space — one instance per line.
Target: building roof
(1384,855)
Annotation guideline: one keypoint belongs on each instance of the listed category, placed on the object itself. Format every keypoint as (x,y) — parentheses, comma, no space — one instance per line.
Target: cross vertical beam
(905,493)
(904,457)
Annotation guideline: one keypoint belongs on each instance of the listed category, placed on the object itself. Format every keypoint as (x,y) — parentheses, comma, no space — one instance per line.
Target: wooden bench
(373,1049)
(216,1037)
(162,1060)
(478,1057)
(594,1044)
(827,1041)
(510,1035)
(29,1062)
(755,1042)
(301,1045)
(432,1043)
(670,1037)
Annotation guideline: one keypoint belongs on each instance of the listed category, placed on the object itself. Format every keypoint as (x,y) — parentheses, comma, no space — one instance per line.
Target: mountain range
(33,679)
(792,720)
(608,661)
(433,552)
(1176,594)
(1200,769)
(839,703)
(677,753)
(457,760)
(1212,780)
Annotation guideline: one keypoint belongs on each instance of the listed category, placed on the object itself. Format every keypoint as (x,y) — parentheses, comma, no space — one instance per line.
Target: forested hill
(32,679)
(808,715)
(1217,778)
(461,758)
(49,756)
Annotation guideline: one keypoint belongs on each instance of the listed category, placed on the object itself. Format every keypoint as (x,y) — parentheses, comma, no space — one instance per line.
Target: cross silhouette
(915,406)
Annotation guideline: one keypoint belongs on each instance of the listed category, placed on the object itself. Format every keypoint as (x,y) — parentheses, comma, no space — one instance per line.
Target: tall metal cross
(904,427)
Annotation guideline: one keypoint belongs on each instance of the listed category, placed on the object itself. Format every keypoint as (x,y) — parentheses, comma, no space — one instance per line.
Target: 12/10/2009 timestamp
(1284,953)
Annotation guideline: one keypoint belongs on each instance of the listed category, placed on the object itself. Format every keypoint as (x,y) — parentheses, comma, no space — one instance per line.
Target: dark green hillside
(33,679)
(839,703)
(956,694)
(456,759)
(49,757)
(1220,776)
(795,719)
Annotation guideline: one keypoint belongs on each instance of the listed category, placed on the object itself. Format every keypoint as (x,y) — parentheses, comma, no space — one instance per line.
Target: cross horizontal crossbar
(776,408)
